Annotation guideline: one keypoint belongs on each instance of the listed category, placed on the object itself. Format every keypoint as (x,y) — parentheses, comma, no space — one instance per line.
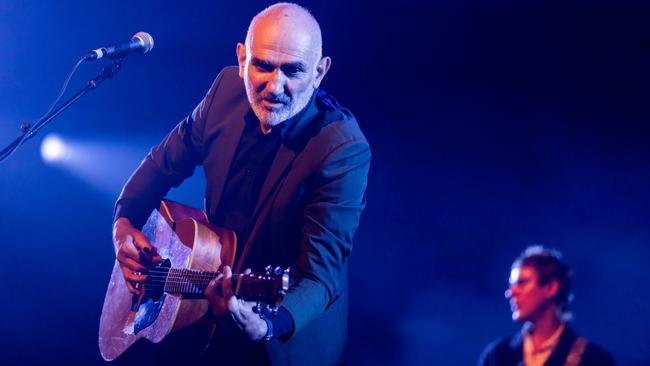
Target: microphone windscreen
(146,39)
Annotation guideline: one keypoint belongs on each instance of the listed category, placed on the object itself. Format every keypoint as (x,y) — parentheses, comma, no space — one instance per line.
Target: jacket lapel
(278,170)
(516,354)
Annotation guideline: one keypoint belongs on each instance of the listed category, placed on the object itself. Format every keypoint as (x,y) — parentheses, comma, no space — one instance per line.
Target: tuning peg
(277,271)
(285,278)
(268,270)
(257,309)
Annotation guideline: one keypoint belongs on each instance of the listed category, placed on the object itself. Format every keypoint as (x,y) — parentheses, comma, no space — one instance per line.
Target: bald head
(287,20)
(281,62)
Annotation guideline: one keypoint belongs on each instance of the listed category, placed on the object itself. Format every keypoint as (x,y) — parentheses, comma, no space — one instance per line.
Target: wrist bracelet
(269,329)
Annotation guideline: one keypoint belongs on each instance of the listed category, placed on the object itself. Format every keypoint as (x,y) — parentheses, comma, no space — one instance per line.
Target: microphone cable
(27,129)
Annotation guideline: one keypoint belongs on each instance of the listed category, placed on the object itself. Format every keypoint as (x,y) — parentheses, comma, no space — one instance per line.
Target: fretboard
(189,281)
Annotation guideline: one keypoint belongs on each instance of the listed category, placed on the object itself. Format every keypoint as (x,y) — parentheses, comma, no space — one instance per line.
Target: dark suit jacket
(307,212)
(509,352)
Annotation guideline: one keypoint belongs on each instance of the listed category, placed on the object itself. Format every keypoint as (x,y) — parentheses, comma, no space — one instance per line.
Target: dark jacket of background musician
(509,352)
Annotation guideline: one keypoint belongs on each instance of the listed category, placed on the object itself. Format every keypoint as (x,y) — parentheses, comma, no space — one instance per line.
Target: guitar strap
(577,350)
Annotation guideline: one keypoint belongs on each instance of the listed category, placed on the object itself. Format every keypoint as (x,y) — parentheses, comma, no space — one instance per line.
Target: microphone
(140,42)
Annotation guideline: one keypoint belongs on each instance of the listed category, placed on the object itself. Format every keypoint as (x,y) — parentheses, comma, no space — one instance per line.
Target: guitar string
(162,278)
(205,277)
(192,280)
(160,285)
(193,271)
(181,276)
(180,287)
(202,276)
(187,280)
(183,287)
(189,270)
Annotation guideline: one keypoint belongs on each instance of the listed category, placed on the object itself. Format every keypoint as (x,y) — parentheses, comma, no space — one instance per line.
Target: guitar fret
(191,283)
(187,284)
(184,283)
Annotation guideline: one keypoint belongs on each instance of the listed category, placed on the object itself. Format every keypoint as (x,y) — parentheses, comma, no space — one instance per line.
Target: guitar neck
(191,283)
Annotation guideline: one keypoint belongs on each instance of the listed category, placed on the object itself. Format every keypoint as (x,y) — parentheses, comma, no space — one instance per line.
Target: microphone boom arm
(107,72)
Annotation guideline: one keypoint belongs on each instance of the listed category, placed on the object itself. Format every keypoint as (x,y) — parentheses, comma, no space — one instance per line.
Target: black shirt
(251,163)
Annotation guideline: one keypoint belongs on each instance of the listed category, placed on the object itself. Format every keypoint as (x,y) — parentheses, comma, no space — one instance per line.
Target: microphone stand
(107,72)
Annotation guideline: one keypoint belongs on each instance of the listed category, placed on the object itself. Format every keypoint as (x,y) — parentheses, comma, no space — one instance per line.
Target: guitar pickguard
(147,313)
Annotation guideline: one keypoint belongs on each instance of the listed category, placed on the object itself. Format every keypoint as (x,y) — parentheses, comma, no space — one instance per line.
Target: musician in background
(286,168)
(539,295)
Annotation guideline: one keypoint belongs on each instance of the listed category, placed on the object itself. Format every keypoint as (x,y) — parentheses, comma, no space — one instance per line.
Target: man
(539,293)
(286,169)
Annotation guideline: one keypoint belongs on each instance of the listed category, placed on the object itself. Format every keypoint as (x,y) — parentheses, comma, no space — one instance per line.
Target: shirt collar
(550,343)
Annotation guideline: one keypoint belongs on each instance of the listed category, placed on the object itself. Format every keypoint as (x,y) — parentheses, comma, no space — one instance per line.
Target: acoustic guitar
(193,252)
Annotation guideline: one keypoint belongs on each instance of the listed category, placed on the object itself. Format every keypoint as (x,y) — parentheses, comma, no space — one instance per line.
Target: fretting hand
(227,304)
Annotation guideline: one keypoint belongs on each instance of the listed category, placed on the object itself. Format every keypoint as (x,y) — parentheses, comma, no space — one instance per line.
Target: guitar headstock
(268,288)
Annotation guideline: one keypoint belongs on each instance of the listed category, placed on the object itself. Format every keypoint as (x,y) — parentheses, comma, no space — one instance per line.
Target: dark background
(494,125)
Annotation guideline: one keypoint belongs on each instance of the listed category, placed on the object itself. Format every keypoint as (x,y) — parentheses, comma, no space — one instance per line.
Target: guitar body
(183,237)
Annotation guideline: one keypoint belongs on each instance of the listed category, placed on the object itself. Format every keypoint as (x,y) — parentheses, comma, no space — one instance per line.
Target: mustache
(275,98)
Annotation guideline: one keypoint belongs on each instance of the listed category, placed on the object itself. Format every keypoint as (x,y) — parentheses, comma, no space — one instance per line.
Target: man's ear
(321,69)
(241,58)
(552,288)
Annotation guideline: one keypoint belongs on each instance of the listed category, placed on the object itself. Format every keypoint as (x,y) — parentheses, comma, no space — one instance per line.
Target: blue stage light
(53,149)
